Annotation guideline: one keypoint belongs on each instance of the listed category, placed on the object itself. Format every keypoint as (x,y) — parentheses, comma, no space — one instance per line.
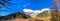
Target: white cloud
(35,11)
(27,4)
(44,9)
(28,10)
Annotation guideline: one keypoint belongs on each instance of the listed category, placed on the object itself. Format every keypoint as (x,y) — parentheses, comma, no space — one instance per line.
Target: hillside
(22,15)
(14,16)
(43,14)
(8,17)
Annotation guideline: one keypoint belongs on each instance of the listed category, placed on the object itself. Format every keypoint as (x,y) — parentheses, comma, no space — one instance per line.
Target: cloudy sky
(20,5)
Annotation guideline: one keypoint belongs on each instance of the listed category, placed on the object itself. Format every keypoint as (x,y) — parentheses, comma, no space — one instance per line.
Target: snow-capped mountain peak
(34,13)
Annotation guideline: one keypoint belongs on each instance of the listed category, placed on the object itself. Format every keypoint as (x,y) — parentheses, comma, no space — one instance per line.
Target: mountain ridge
(14,16)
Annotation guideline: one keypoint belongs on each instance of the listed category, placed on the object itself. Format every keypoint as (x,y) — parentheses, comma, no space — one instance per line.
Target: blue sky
(37,4)
(19,5)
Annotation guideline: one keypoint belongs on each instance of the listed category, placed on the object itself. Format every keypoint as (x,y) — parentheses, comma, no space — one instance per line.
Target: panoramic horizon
(29,10)
(20,5)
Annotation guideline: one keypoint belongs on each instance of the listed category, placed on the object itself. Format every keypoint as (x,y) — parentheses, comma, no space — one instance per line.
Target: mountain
(43,14)
(22,15)
(14,16)
(8,17)
(38,13)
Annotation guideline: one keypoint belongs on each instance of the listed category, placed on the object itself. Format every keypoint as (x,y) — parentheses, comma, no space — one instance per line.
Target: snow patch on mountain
(34,13)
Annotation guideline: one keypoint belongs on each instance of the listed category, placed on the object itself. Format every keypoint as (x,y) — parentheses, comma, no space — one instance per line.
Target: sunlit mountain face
(43,14)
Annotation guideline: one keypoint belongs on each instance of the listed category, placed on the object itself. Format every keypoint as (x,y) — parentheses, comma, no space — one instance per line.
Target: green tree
(43,14)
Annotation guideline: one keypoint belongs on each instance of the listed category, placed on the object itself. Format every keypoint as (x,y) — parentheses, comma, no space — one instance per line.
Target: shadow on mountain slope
(14,16)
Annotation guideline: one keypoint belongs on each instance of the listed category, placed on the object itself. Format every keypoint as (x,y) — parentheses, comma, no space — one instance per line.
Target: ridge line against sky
(28,4)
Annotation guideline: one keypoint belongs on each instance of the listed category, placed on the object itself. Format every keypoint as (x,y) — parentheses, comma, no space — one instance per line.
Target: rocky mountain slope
(14,16)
